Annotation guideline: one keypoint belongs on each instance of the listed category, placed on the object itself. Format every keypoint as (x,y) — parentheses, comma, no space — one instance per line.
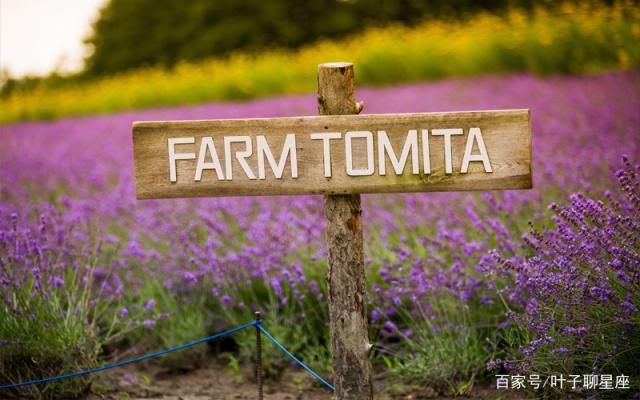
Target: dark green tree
(134,33)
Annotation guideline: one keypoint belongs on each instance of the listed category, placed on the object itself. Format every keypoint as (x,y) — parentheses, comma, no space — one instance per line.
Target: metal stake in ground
(259,369)
(345,274)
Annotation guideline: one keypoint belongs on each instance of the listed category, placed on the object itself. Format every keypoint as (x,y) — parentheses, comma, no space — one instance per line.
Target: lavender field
(462,286)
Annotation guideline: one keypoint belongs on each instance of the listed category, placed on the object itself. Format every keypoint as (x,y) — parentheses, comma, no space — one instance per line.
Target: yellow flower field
(575,39)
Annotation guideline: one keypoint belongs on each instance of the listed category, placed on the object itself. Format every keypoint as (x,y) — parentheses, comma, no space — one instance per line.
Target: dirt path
(212,383)
(220,383)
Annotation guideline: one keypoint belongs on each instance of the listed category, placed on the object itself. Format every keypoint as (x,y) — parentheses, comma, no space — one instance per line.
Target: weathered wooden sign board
(338,154)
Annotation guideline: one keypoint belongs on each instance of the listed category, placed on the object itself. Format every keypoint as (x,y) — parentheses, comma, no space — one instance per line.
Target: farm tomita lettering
(333,154)
(378,149)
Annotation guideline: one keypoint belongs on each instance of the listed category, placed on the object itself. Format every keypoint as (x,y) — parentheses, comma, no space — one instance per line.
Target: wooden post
(345,274)
(259,368)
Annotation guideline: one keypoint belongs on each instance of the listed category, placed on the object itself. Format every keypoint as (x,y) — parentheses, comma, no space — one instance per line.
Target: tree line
(135,33)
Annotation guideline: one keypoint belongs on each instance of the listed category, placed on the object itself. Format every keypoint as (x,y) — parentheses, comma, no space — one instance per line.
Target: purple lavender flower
(149,323)
(57,281)
(560,350)
(432,246)
(150,305)
(390,326)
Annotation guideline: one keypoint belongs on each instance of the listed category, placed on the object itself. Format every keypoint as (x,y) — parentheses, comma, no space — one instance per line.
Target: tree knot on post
(353,223)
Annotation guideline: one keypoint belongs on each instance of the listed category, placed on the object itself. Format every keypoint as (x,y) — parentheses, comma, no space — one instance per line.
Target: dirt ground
(211,383)
(218,383)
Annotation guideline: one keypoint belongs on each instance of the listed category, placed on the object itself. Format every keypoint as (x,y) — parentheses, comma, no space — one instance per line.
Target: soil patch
(217,382)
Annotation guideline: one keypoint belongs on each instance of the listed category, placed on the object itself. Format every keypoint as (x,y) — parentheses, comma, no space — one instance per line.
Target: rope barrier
(257,324)
(133,360)
(300,363)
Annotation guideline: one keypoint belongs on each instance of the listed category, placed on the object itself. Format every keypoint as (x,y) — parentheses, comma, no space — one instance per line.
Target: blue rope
(258,324)
(300,363)
(121,363)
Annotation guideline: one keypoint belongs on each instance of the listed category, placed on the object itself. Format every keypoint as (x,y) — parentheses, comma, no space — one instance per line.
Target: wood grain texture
(506,133)
(346,278)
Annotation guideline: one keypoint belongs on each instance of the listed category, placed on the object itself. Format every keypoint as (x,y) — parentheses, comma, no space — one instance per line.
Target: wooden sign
(336,154)
(339,154)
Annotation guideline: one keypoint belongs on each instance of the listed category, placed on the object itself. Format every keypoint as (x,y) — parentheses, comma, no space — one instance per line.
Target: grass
(53,340)
(574,39)
(447,354)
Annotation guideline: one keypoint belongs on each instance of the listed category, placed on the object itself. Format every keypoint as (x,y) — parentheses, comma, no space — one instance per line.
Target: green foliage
(579,39)
(302,328)
(447,354)
(172,321)
(177,30)
(52,334)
